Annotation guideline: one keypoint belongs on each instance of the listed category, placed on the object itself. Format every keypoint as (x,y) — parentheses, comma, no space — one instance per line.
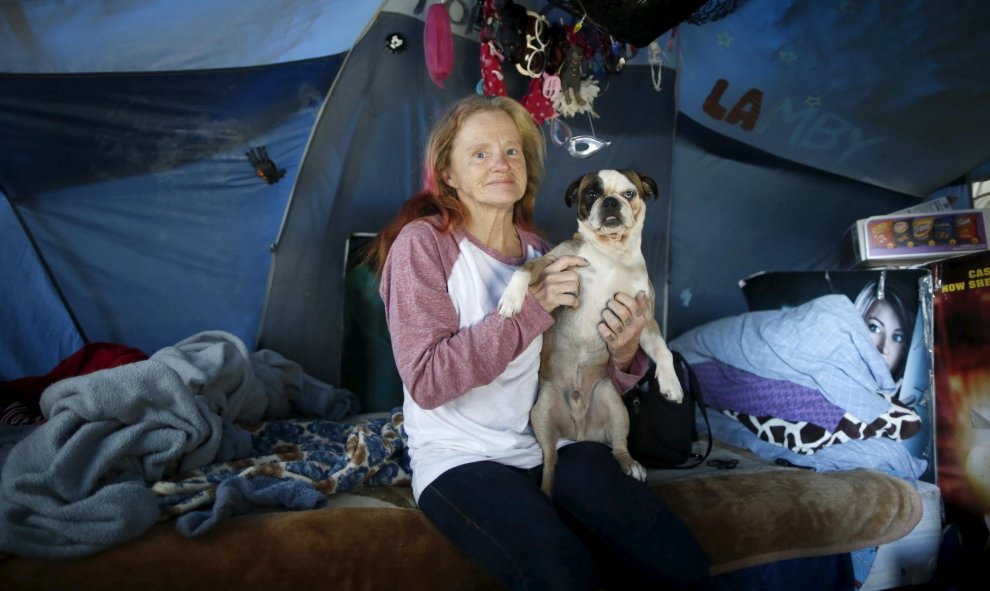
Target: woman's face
(487,167)
(887,332)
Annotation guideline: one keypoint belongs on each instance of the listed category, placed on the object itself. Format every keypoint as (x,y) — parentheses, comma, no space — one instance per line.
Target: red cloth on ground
(20,398)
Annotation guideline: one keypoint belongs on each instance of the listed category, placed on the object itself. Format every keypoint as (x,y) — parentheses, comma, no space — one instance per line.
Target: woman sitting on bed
(470,376)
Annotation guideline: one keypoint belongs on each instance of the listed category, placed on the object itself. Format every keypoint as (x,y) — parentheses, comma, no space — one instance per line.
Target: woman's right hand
(558,284)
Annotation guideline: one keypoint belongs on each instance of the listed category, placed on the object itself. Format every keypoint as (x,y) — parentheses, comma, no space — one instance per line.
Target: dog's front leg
(653,344)
(512,298)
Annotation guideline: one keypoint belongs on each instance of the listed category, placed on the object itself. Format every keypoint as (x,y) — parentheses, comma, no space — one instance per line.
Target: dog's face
(611,203)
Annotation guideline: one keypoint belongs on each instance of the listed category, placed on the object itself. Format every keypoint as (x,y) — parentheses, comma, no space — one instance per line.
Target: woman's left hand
(622,322)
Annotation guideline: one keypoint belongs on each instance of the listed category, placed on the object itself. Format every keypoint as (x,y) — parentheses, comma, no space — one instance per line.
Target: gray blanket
(80,482)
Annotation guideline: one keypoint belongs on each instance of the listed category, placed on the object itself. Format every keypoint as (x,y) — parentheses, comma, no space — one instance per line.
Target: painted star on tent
(813,101)
(724,39)
(788,56)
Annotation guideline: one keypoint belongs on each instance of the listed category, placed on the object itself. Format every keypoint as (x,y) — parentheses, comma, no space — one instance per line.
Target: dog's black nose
(610,203)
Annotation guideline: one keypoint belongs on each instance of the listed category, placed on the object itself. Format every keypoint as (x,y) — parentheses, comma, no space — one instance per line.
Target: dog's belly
(575,361)
(580,356)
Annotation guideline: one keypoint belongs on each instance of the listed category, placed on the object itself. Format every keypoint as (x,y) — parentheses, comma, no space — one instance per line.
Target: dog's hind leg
(544,418)
(616,423)
(653,344)
(549,462)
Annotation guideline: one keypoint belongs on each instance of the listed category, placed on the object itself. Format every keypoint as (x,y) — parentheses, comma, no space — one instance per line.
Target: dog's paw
(635,469)
(515,293)
(670,386)
(509,306)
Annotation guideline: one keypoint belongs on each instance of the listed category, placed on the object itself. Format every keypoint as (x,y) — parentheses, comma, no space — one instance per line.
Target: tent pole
(670,191)
(44,264)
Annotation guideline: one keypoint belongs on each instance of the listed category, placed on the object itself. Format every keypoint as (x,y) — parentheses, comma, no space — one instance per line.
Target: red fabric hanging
(438,44)
(537,103)
(493,82)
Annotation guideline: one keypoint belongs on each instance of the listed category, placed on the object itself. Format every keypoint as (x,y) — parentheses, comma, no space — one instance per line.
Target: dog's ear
(571,195)
(649,185)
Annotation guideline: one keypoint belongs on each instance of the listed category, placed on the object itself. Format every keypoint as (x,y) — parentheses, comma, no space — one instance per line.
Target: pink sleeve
(625,380)
(437,360)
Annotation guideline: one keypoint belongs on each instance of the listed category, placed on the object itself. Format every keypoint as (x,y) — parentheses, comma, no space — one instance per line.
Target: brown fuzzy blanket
(742,518)
(746,519)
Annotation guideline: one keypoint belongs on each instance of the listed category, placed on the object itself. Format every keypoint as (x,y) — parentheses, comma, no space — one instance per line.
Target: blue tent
(131,213)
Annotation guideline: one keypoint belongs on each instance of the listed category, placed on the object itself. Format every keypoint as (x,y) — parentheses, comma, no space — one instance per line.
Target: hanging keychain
(656,66)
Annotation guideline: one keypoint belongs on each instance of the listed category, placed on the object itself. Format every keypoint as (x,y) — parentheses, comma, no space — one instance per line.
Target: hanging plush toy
(572,74)
(264,167)
(576,91)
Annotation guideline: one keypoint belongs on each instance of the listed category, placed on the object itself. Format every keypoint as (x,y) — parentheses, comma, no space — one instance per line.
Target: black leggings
(602,528)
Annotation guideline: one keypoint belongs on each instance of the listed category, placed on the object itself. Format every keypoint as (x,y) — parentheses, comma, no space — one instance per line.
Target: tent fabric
(773,215)
(889,93)
(165,35)
(140,197)
(351,182)
(126,190)
(37,329)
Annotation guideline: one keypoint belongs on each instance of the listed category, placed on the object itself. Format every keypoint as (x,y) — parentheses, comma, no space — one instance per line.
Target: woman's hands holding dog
(622,322)
(623,318)
(558,284)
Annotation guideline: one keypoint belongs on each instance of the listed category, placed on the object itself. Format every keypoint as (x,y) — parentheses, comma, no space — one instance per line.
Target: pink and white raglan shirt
(469,375)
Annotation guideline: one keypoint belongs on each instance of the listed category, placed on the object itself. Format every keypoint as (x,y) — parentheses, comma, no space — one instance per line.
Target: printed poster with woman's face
(896,307)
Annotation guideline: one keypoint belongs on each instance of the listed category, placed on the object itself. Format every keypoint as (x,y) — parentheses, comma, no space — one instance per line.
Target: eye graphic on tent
(578,146)
(263,165)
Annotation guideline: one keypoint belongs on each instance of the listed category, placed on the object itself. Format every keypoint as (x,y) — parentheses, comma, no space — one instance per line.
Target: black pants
(601,528)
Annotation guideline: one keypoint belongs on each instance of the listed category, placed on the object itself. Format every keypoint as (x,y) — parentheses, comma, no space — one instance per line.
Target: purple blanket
(729,388)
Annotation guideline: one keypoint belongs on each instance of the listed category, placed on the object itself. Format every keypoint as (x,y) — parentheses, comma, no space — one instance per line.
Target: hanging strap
(699,401)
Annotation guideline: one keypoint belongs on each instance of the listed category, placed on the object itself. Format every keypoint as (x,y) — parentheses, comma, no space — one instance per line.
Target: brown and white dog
(577,399)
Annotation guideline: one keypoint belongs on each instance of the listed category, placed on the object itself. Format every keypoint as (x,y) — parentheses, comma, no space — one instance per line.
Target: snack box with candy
(898,239)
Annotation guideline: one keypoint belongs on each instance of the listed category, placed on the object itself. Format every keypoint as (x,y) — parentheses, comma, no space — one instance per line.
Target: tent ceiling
(163,35)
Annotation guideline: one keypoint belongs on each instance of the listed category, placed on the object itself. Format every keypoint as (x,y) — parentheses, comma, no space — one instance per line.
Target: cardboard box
(900,239)
(961,315)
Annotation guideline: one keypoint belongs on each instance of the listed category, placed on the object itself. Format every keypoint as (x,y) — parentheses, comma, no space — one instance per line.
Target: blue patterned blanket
(298,463)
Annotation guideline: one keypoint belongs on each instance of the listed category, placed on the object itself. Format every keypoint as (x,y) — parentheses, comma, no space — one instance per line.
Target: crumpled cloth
(438,44)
